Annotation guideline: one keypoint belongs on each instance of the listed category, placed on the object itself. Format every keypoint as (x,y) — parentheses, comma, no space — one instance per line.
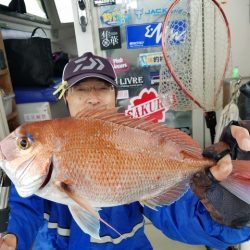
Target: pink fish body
(100,159)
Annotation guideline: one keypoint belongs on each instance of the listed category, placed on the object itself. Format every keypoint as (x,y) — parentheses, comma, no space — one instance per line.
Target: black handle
(211,122)
(6,182)
(4,218)
(34,31)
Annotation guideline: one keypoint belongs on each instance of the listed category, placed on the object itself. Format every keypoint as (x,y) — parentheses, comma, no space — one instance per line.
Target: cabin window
(35,7)
(64,9)
(35,10)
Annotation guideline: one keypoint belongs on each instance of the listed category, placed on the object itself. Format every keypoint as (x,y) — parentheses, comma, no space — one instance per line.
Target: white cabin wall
(84,40)
(238,14)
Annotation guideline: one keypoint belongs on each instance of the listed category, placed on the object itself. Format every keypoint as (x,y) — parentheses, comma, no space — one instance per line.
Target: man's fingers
(242,137)
(222,169)
(4,246)
(8,242)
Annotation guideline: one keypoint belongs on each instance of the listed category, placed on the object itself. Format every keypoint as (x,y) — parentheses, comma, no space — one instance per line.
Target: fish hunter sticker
(147,105)
(110,38)
(104,2)
(119,64)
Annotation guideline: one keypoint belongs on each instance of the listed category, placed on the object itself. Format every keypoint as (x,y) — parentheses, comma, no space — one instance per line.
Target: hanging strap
(34,31)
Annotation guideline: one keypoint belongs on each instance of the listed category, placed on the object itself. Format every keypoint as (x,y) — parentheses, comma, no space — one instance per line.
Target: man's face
(92,93)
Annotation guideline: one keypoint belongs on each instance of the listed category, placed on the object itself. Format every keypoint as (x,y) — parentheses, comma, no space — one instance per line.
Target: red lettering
(137,112)
(144,110)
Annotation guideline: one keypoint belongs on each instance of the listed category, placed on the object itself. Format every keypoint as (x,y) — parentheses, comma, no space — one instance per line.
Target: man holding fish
(96,174)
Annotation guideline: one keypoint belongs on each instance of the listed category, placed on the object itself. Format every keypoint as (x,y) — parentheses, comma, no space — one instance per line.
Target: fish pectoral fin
(89,213)
(167,197)
(86,221)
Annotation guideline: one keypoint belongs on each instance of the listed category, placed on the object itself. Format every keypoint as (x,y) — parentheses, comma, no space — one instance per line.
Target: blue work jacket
(48,225)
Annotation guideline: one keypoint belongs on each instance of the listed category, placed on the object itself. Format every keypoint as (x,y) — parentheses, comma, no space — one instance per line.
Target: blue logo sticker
(143,35)
(178,32)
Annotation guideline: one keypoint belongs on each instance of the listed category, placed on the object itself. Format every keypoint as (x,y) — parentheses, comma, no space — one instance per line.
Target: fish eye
(23,143)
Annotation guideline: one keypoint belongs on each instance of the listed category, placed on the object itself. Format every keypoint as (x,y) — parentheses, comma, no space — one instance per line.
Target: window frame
(26,16)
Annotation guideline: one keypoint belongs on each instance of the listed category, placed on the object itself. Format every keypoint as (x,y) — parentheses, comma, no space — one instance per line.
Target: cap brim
(72,81)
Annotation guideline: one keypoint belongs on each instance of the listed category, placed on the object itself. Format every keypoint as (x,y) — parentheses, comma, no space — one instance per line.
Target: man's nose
(93,98)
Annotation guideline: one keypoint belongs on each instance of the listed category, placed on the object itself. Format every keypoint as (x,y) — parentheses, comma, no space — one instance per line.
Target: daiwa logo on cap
(147,105)
(87,66)
(92,63)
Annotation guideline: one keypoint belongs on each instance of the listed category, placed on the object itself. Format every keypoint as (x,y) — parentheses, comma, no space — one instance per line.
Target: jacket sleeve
(187,220)
(26,216)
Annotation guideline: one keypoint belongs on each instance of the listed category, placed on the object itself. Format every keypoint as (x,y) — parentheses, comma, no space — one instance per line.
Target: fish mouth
(48,177)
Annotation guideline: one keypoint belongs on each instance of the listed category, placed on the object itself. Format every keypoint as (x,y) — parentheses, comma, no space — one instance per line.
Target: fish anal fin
(92,212)
(167,197)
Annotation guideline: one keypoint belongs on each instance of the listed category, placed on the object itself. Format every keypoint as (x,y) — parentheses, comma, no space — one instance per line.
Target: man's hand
(223,206)
(224,166)
(8,242)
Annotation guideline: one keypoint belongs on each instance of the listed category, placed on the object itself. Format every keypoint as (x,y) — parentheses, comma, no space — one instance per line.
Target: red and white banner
(147,105)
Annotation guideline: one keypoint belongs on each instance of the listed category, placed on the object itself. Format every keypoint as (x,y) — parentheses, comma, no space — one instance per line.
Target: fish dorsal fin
(170,134)
(88,213)
(100,113)
(169,196)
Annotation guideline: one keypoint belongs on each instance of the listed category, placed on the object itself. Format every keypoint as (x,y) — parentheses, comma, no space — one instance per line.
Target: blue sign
(144,35)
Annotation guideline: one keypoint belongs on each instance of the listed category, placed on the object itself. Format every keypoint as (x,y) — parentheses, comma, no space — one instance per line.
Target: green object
(235,73)
(3,25)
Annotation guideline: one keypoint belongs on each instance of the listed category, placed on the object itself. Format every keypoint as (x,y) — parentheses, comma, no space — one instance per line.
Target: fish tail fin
(238,182)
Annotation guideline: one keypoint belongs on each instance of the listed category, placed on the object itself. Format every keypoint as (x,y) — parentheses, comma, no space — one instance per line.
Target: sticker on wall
(147,105)
(154,77)
(115,17)
(122,94)
(119,64)
(130,81)
(110,38)
(32,117)
(150,59)
(148,13)
(144,35)
(104,2)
